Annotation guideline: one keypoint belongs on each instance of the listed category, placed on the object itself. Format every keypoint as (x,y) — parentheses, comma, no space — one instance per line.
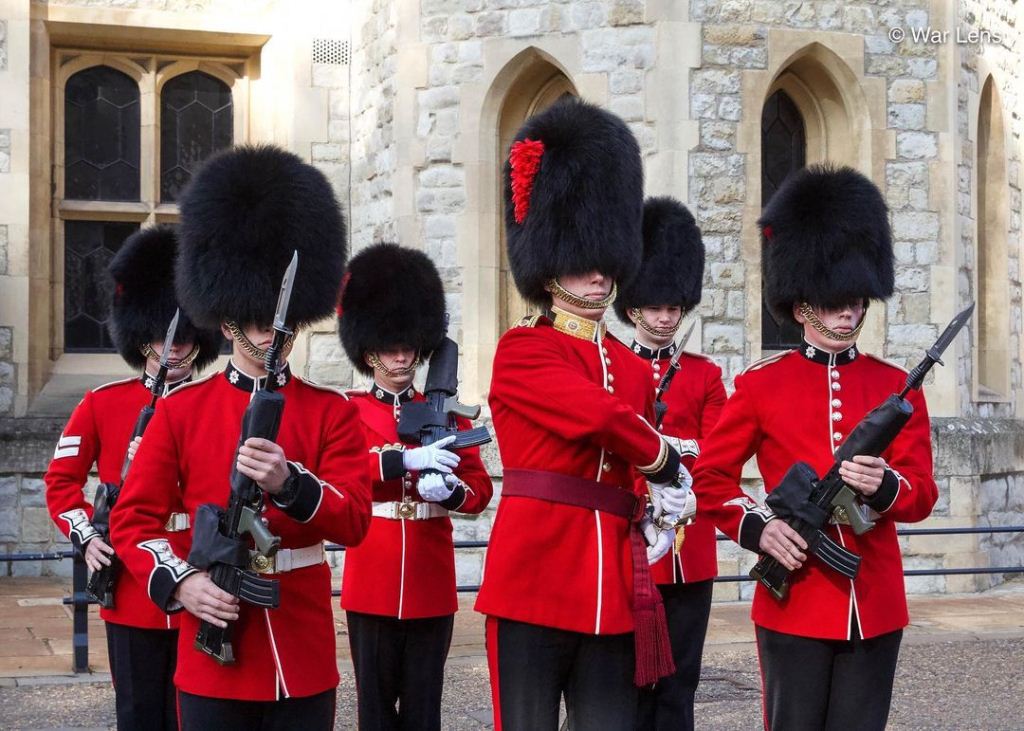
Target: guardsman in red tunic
(141,639)
(567,579)
(243,215)
(398,588)
(667,288)
(828,650)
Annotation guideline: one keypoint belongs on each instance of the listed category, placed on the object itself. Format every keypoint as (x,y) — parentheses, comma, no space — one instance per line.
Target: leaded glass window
(101,136)
(88,248)
(195,121)
(783,151)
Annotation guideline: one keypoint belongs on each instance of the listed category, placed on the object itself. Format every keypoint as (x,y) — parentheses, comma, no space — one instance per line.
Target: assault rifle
(220,537)
(101,583)
(830,496)
(426,422)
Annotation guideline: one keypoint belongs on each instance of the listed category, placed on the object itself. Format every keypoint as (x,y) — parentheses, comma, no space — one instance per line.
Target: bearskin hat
(573,187)
(392,297)
(672,271)
(143,301)
(826,241)
(242,215)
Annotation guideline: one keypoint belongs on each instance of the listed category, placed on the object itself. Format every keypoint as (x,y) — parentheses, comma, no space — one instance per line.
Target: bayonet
(934,353)
(281,330)
(666,380)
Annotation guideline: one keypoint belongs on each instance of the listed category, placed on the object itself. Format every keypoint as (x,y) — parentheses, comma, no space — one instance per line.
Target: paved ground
(961,667)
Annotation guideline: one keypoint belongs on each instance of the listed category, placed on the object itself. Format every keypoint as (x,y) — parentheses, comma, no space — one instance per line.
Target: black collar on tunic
(385,396)
(147,380)
(813,353)
(243,382)
(651,354)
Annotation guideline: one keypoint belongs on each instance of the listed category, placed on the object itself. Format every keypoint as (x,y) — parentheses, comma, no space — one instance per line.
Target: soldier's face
(398,361)
(178,351)
(592,286)
(259,335)
(842,320)
(661,317)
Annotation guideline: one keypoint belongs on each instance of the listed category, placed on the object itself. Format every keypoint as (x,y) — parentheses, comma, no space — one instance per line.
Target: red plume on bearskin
(573,190)
(524,159)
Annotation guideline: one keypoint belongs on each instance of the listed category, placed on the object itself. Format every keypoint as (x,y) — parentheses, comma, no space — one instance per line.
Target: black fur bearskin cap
(392,297)
(672,271)
(573,188)
(242,215)
(826,241)
(143,301)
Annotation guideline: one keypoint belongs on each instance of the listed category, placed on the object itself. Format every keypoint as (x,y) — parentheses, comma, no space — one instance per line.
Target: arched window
(539,86)
(101,136)
(196,119)
(993,364)
(783,151)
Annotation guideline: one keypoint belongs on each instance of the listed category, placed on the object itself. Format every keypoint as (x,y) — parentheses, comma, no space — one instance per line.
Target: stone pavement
(35,626)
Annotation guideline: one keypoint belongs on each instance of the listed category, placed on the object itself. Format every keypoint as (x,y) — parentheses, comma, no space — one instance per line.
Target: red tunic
(187,454)
(695,400)
(790,408)
(575,407)
(405,568)
(98,433)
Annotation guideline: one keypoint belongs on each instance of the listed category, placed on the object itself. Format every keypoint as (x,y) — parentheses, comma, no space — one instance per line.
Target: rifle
(660,407)
(220,538)
(101,583)
(426,422)
(831,496)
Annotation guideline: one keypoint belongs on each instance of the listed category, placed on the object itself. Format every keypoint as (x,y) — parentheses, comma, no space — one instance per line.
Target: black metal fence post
(80,614)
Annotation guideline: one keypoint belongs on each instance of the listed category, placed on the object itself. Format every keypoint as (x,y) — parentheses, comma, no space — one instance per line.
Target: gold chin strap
(147,350)
(817,324)
(248,346)
(391,373)
(658,332)
(565,295)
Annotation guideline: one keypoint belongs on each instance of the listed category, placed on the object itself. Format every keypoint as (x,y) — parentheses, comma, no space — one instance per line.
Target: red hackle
(524,159)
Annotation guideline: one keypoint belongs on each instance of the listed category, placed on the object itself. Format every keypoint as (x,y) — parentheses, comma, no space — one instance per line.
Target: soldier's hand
(432,457)
(263,461)
(784,544)
(864,474)
(133,448)
(97,553)
(206,600)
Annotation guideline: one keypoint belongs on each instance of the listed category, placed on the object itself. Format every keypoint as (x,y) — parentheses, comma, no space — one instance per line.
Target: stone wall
(1003,60)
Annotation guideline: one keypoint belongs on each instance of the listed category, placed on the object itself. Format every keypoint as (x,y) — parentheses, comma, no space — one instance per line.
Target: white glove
(435,487)
(659,542)
(432,457)
(672,498)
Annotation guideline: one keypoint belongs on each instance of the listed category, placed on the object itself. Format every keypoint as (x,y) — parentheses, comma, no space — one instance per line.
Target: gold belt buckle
(263,564)
(407,510)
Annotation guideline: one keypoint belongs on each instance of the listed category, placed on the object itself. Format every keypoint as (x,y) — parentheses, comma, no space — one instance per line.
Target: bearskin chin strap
(147,350)
(817,324)
(565,295)
(392,372)
(658,332)
(248,346)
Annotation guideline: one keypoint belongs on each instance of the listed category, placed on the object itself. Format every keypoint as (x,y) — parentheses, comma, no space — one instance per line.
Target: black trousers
(142,663)
(532,667)
(836,685)
(399,666)
(668,706)
(311,713)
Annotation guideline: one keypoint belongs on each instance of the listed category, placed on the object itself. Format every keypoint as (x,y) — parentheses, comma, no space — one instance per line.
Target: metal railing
(79,600)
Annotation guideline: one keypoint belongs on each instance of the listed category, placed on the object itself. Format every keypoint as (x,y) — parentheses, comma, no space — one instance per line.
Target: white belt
(408,511)
(288,559)
(177,523)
